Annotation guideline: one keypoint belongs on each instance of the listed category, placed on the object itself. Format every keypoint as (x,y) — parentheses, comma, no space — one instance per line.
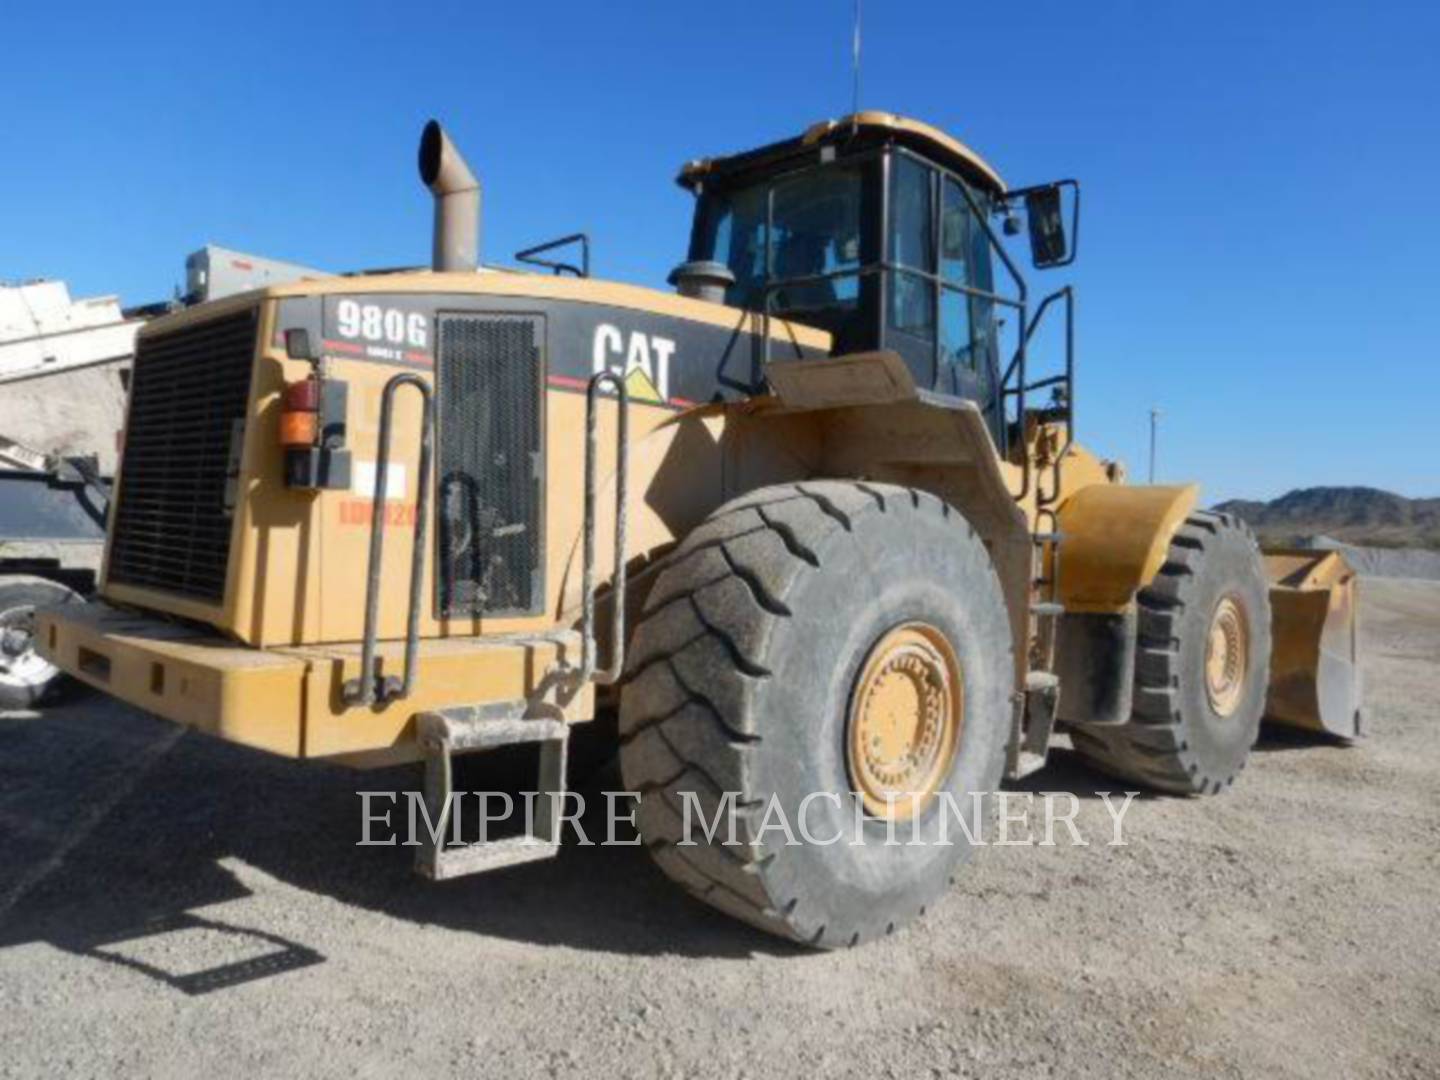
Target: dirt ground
(171,906)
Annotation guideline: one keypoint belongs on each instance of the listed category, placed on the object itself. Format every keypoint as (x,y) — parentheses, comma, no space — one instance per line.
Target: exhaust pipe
(457,201)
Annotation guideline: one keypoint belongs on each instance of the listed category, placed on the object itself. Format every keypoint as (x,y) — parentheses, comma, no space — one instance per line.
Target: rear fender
(861,417)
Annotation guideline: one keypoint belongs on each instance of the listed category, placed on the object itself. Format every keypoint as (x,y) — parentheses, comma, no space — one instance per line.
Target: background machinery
(812,524)
(64,373)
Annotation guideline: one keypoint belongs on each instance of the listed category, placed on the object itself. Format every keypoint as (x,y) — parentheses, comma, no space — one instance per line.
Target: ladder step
(1027,763)
(1047,610)
(477,858)
(1048,537)
(1033,725)
(445,733)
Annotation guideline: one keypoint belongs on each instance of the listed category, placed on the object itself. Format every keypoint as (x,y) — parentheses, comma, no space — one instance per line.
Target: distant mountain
(1356,515)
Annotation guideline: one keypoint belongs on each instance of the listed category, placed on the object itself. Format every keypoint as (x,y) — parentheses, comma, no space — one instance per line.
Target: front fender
(1116,537)
(1115,542)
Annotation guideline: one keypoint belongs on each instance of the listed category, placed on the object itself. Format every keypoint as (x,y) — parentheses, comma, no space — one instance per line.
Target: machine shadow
(162,857)
(164,851)
(1066,771)
(1283,737)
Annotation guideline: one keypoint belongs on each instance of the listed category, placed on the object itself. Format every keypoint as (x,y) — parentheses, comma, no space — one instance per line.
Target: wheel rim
(1227,656)
(906,715)
(20,664)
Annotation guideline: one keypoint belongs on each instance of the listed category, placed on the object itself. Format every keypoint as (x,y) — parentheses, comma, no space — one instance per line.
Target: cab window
(912,251)
(965,319)
(794,246)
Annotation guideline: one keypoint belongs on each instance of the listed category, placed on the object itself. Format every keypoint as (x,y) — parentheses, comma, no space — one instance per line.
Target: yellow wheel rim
(1227,657)
(906,714)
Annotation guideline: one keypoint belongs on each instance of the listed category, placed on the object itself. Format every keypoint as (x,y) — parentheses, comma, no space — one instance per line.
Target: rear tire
(742,678)
(1201,668)
(27,678)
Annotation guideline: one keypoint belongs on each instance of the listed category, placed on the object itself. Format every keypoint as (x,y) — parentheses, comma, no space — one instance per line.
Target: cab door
(939,261)
(966,362)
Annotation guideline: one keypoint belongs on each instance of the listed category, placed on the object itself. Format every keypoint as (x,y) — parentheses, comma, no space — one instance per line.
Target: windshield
(815,229)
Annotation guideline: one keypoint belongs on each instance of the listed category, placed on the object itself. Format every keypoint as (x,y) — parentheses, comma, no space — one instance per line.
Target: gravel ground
(170,905)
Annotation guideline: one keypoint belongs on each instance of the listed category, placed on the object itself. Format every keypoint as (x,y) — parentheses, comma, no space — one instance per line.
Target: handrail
(555,267)
(1041,498)
(370,688)
(589,668)
(1064,293)
(1021,388)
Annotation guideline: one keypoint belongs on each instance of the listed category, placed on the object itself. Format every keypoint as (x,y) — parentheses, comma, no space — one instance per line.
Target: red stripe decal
(566,380)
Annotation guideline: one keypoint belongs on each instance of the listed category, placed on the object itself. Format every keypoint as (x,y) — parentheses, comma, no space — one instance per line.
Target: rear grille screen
(188,396)
(489,372)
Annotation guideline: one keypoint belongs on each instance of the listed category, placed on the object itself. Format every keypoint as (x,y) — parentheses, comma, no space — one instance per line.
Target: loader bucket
(1314,660)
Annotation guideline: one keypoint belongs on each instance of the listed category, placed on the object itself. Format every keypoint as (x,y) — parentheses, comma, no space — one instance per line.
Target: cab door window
(956,338)
(911,306)
(965,319)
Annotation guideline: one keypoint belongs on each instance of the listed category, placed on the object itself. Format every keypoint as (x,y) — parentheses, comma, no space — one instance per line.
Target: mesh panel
(188,395)
(488,370)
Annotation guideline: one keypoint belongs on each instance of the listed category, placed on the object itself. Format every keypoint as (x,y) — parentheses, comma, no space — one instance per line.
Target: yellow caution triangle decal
(639,386)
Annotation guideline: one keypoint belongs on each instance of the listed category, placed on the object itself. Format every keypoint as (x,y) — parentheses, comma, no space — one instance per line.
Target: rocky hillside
(1356,515)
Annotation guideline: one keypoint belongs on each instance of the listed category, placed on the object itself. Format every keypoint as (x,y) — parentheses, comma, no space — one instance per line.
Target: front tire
(1202,666)
(825,638)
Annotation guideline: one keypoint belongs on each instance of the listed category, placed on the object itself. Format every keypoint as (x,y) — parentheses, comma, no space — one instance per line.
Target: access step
(445,733)
(1033,726)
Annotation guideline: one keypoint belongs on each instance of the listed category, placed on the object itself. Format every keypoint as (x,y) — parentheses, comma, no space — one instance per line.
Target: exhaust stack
(457,201)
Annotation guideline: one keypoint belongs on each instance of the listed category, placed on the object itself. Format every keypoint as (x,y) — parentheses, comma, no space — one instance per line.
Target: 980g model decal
(374,324)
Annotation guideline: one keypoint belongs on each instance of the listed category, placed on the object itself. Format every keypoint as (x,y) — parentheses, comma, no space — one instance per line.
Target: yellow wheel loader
(813,524)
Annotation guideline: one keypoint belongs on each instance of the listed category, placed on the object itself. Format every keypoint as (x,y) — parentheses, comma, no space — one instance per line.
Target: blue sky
(1259,241)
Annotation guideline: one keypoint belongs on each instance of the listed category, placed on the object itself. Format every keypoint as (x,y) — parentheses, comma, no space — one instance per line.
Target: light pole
(1154,424)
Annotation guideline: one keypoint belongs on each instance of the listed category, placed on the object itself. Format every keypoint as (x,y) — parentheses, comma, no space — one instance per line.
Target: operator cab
(874,228)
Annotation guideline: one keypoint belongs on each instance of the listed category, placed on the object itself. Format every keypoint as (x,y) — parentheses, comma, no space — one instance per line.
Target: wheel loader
(816,522)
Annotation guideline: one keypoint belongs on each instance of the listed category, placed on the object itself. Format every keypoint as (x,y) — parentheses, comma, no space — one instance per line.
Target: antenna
(855,67)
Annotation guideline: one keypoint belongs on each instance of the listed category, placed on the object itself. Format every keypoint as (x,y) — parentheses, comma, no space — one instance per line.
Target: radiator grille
(188,395)
(489,372)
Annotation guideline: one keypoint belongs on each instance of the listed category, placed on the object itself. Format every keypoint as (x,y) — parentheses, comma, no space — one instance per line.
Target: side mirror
(1047,227)
(1045,214)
